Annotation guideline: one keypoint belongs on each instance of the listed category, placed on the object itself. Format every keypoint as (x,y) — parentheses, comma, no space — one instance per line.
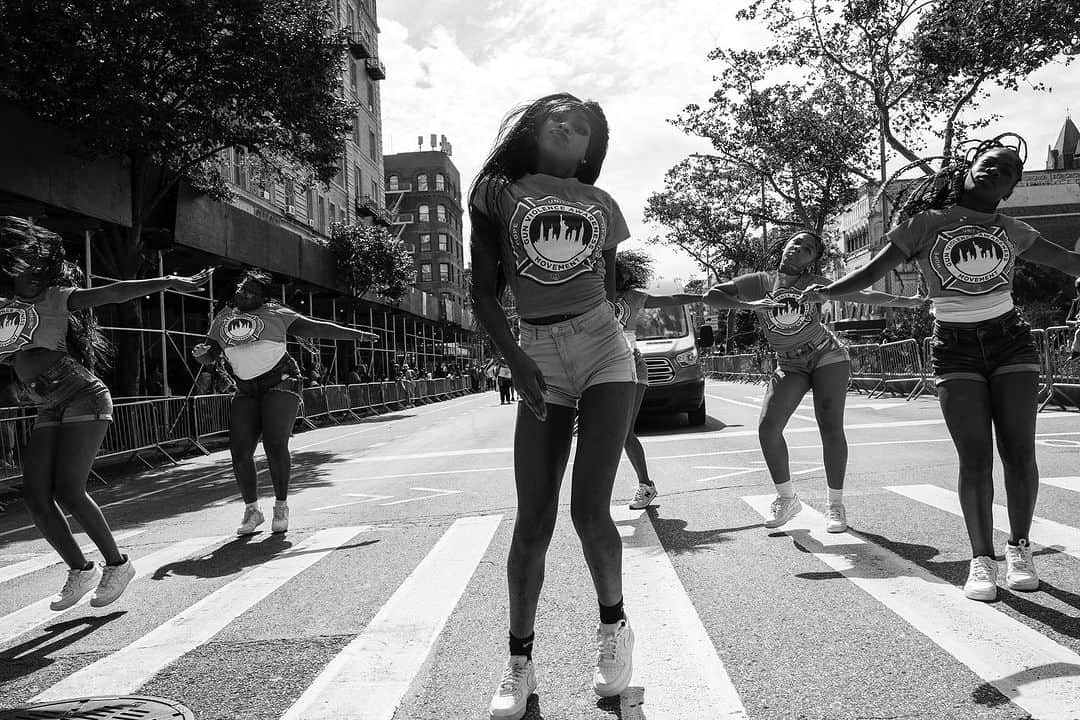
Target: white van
(671,345)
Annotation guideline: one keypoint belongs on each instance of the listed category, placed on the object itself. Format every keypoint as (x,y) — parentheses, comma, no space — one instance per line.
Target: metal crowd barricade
(210,417)
(1061,379)
(901,364)
(15,426)
(866,368)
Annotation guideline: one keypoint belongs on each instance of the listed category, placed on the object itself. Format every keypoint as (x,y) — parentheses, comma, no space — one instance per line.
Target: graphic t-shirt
(253,341)
(793,323)
(552,233)
(627,309)
(42,323)
(967,258)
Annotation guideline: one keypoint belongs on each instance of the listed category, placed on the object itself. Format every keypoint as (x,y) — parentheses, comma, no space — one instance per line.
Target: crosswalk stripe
(10,572)
(370,676)
(1043,532)
(128,669)
(1065,483)
(38,613)
(684,679)
(1030,669)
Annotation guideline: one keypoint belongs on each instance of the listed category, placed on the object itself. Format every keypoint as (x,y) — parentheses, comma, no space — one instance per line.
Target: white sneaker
(517,684)
(614,658)
(982,579)
(1020,567)
(643,497)
(114,580)
(782,510)
(836,518)
(78,583)
(280,523)
(253,518)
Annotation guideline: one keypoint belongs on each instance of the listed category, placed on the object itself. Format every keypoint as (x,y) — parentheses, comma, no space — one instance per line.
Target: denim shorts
(980,350)
(67,392)
(283,377)
(641,368)
(806,358)
(575,354)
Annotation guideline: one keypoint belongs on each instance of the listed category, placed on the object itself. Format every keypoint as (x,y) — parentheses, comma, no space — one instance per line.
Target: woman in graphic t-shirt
(808,356)
(540,223)
(984,360)
(53,343)
(251,334)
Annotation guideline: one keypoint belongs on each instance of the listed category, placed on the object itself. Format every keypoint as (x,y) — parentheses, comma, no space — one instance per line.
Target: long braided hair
(29,249)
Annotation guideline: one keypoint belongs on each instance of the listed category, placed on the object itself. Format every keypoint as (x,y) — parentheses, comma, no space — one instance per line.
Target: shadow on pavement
(675,538)
(988,695)
(675,424)
(30,656)
(1064,623)
(238,554)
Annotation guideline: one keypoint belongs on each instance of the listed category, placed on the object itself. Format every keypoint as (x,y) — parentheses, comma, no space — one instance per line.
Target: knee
(276,448)
(74,497)
(38,503)
(590,521)
(534,532)
(769,430)
(831,431)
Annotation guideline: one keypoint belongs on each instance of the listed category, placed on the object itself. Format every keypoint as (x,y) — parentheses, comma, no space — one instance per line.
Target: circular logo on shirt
(972,259)
(241,328)
(556,240)
(622,311)
(791,316)
(18,321)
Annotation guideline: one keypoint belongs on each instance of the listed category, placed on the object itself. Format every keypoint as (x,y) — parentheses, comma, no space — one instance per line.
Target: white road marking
(39,562)
(370,498)
(1034,672)
(1066,483)
(38,613)
(683,678)
(757,405)
(369,677)
(128,669)
(434,493)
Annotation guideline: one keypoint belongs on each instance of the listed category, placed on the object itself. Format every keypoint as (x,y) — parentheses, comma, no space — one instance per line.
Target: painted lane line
(128,669)
(847,406)
(38,613)
(369,677)
(1034,672)
(462,471)
(757,406)
(1043,532)
(39,562)
(370,498)
(1065,483)
(684,678)
(435,493)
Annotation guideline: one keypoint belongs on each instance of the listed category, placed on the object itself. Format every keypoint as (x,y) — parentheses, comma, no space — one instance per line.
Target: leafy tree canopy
(369,259)
(636,265)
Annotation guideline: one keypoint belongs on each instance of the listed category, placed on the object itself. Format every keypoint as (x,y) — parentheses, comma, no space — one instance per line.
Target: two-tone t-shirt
(42,323)
(967,258)
(553,232)
(253,340)
(793,322)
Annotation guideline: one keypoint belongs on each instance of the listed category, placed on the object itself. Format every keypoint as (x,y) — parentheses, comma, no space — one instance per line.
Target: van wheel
(697,417)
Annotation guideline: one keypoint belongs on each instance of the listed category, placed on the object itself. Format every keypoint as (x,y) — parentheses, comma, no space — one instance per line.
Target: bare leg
(634,451)
(966,406)
(245,427)
(278,417)
(39,495)
(1014,400)
(783,394)
(830,396)
(79,443)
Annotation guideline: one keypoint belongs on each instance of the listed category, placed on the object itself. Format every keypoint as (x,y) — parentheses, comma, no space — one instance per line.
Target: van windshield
(662,323)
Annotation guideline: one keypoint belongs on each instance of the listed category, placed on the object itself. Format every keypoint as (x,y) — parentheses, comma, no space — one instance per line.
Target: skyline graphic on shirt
(555,240)
(18,321)
(242,328)
(972,259)
(791,316)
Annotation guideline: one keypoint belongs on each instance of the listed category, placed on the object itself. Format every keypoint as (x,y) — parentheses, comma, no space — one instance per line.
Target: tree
(638,267)
(169,86)
(369,259)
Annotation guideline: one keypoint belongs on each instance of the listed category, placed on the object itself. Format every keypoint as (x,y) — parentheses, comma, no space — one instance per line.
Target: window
(375,192)
(356,130)
(444,272)
(352,76)
(440,213)
(421,183)
(425,243)
(440,181)
(393,181)
(371,95)
(442,242)
(425,272)
(372,145)
(425,213)
(410,247)
(321,219)
(311,206)
(290,194)
(333,212)
(359,182)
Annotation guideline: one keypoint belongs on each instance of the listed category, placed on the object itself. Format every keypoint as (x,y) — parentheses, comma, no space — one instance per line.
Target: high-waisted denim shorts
(69,393)
(804,359)
(283,377)
(981,350)
(575,354)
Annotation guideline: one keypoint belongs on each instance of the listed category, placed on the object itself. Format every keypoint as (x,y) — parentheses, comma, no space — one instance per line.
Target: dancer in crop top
(985,362)
(251,334)
(808,356)
(52,341)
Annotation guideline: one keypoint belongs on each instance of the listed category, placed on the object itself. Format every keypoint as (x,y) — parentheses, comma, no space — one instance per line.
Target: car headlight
(687,358)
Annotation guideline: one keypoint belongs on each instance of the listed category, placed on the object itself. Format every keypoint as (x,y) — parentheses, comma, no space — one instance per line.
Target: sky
(455,68)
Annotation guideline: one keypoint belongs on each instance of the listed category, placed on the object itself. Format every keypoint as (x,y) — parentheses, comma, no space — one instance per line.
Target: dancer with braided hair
(808,356)
(52,341)
(984,360)
(251,334)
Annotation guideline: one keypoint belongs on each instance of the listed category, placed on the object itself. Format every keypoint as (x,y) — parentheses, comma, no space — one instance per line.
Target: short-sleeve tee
(627,309)
(967,258)
(42,323)
(794,322)
(253,341)
(553,233)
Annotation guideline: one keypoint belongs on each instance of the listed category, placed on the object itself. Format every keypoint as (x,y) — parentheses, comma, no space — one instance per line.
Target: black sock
(522,646)
(123,559)
(88,566)
(611,613)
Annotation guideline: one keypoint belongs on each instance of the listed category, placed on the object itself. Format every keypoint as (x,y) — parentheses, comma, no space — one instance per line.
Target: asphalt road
(387,600)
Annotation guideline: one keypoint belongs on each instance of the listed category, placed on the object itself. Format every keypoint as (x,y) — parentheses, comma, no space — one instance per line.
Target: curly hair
(776,250)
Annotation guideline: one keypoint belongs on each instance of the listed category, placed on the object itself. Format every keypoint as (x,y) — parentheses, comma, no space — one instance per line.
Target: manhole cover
(102,708)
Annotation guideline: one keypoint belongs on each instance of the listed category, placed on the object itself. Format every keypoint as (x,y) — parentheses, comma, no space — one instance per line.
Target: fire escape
(398,221)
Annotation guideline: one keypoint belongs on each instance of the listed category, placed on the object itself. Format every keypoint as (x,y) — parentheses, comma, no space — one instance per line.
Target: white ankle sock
(836,497)
(252,505)
(281,503)
(786,490)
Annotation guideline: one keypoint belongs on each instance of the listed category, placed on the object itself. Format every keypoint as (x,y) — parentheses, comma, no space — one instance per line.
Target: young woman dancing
(984,360)
(251,333)
(539,222)
(808,357)
(52,342)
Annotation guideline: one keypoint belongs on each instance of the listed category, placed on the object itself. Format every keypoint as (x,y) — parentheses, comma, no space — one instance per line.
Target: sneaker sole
(642,506)
(981,595)
(514,714)
(778,523)
(839,529)
(94,602)
(1023,585)
(278,531)
(615,689)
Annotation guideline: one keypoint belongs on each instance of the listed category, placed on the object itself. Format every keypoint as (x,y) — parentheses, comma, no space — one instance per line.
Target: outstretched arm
(884,299)
(309,328)
(126,290)
(726,297)
(207,352)
(1045,252)
(887,258)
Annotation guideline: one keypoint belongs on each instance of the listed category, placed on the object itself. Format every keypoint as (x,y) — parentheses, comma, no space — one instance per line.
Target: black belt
(551,319)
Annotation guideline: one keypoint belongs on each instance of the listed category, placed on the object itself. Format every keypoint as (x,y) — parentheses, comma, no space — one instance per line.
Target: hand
(203,354)
(815,294)
(529,382)
(196,281)
(916,301)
